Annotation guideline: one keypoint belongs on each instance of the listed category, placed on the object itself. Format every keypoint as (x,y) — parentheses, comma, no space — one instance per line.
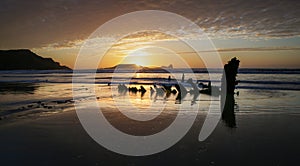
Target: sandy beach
(39,125)
(59,139)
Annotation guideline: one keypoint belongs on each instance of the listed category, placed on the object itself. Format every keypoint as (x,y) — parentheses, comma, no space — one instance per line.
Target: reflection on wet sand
(18,87)
(228,114)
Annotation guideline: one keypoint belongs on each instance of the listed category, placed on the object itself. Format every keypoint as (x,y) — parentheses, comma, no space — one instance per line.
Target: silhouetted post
(229,76)
(227,95)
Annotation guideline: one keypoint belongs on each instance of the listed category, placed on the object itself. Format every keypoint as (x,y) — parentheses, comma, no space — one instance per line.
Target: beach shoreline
(39,124)
(60,139)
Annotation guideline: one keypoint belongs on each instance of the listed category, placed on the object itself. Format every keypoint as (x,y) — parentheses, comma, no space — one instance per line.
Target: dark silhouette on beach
(151,92)
(159,92)
(133,90)
(182,92)
(142,90)
(209,89)
(169,90)
(165,90)
(227,96)
(229,76)
(195,91)
(122,89)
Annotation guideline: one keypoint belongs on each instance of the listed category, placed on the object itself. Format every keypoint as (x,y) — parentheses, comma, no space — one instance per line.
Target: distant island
(138,68)
(25,59)
(125,67)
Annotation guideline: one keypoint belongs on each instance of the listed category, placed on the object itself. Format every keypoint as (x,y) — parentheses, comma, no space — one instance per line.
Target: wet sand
(59,139)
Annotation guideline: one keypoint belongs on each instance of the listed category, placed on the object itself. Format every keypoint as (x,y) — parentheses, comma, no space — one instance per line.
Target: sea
(34,93)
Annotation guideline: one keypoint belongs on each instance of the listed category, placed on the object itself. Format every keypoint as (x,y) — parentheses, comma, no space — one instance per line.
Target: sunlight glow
(138,53)
(138,57)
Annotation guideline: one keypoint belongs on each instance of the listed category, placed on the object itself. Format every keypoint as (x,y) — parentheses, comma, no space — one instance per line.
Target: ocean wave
(246,81)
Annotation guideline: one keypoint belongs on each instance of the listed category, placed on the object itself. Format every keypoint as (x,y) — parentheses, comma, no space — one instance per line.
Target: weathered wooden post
(227,91)
(229,76)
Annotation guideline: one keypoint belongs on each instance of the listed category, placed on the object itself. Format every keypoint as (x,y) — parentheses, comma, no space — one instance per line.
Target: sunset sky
(263,34)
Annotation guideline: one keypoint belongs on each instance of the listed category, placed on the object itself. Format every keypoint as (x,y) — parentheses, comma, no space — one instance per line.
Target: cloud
(236,18)
(74,44)
(247,49)
(36,23)
(260,49)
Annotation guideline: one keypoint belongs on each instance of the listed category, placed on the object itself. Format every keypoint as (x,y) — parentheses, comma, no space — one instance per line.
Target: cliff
(25,59)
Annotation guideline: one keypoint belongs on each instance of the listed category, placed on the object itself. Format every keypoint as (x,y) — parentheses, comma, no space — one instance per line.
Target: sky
(262,34)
